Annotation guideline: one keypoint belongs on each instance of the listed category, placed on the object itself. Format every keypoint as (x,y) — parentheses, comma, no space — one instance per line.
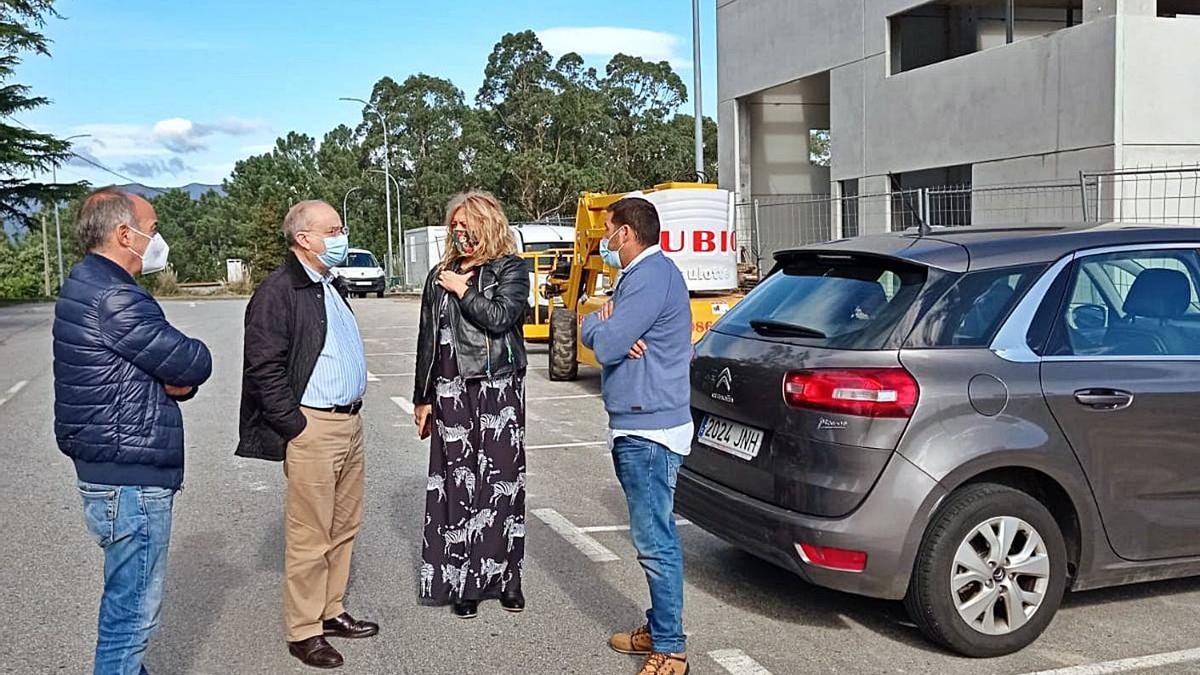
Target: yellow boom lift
(570,283)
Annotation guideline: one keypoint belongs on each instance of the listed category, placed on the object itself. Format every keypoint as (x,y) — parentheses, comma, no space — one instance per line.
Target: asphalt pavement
(222,608)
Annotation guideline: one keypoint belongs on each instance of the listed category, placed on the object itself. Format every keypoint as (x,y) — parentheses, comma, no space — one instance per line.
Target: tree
(520,148)
(22,150)
(426,117)
(260,191)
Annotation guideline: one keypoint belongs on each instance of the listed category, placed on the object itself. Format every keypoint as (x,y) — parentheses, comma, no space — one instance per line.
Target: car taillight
(865,392)
(833,558)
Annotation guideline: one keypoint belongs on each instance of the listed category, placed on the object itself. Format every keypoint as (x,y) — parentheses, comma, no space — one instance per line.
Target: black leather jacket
(487,321)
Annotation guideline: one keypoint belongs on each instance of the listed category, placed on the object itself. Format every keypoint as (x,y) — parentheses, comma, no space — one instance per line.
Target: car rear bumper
(887,526)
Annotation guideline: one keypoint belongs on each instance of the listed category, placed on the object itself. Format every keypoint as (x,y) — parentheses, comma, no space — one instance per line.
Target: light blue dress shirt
(340,377)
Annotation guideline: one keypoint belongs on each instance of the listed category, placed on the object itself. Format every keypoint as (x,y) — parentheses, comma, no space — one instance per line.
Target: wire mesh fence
(770,223)
(1166,195)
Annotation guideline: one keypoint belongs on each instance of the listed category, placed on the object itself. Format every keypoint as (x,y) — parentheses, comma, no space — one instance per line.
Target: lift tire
(564,350)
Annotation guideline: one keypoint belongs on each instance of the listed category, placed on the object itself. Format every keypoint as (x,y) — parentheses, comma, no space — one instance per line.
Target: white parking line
(404,404)
(1127,665)
(737,662)
(12,391)
(563,398)
(622,528)
(555,446)
(576,537)
(372,377)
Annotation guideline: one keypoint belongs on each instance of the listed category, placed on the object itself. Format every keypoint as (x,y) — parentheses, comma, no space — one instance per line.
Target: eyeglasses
(341,230)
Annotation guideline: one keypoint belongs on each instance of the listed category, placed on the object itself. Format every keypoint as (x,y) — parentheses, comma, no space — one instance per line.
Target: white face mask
(155,257)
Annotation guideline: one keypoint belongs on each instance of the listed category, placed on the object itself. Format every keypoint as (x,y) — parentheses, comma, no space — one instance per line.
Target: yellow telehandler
(697,233)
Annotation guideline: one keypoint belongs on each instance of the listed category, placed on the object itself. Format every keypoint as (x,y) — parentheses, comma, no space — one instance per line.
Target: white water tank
(698,234)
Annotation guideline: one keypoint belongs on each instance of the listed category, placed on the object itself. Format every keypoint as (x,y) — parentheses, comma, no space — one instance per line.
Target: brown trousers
(324,469)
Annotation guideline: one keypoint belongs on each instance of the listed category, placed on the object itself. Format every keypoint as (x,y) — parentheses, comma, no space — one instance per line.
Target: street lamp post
(399,225)
(696,88)
(57,224)
(345,220)
(387,186)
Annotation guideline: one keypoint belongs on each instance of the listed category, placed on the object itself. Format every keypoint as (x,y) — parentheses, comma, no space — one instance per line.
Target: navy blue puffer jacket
(113,352)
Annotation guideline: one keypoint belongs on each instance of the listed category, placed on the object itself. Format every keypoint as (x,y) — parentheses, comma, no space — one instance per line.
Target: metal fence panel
(1154,195)
(772,223)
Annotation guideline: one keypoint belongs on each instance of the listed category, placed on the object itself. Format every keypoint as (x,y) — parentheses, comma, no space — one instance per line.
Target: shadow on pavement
(755,586)
(197,586)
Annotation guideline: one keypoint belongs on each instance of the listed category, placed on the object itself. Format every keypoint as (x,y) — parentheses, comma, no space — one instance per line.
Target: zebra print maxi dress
(474,543)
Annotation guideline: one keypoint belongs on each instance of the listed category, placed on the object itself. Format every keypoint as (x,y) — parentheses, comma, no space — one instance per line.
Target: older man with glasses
(304,376)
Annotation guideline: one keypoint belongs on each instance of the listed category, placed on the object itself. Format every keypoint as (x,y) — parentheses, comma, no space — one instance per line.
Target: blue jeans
(647,472)
(133,526)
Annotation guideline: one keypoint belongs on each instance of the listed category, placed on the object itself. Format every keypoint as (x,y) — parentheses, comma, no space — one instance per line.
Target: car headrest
(1159,294)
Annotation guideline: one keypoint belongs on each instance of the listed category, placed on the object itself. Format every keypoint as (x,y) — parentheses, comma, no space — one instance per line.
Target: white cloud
(155,168)
(183,135)
(175,135)
(608,41)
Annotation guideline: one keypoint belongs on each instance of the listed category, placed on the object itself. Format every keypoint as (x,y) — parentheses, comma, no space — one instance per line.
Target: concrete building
(976,93)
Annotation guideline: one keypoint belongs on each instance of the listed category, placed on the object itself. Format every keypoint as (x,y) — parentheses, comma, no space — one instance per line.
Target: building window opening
(849,208)
(1173,9)
(948,29)
(937,197)
(819,152)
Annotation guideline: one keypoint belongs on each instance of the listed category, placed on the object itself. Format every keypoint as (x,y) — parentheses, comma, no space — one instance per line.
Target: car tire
(379,294)
(959,528)
(564,346)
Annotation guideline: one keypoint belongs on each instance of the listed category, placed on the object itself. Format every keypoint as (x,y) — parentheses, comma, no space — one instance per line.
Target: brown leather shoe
(346,626)
(316,652)
(665,664)
(636,641)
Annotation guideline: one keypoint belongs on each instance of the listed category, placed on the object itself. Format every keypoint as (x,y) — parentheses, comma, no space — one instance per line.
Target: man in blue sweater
(642,338)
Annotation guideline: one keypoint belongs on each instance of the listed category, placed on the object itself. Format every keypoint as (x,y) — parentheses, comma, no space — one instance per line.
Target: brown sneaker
(665,664)
(636,642)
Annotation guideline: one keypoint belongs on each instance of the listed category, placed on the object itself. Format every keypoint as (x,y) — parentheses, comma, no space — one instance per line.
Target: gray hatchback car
(974,420)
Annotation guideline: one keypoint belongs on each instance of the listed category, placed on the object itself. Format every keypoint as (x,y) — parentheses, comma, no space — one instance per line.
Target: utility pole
(399,227)
(45,255)
(387,170)
(696,94)
(57,225)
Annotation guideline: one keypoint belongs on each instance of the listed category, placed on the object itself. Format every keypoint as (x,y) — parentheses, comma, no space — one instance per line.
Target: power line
(78,156)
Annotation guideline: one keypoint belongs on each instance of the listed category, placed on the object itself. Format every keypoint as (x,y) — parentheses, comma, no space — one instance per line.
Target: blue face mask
(611,257)
(336,249)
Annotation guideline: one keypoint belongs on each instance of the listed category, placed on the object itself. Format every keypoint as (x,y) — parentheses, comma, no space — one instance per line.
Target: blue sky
(175,92)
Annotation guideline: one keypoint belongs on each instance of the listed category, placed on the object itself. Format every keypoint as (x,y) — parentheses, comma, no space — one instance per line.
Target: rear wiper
(768,327)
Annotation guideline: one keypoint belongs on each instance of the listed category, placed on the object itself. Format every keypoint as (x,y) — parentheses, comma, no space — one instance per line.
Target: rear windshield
(360,260)
(970,313)
(832,300)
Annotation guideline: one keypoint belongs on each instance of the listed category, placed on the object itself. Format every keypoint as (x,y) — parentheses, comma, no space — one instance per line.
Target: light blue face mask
(610,257)
(336,249)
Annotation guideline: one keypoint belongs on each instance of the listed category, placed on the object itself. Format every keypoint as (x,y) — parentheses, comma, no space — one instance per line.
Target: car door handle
(1104,399)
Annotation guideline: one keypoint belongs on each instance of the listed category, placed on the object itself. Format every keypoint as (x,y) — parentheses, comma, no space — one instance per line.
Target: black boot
(513,601)
(466,609)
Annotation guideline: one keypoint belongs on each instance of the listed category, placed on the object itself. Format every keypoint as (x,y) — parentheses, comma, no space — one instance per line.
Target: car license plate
(730,437)
(364,283)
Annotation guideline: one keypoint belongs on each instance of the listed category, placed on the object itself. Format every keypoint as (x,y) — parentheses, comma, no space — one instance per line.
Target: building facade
(961,94)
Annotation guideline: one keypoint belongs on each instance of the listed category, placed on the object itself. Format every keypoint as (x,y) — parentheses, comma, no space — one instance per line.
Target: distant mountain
(194,190)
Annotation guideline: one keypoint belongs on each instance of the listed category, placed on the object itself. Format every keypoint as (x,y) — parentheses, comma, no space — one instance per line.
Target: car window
(971,312)
(1131,304)
(360,260)
(844,301)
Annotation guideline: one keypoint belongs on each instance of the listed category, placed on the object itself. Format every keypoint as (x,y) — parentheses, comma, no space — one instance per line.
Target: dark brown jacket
(285,333)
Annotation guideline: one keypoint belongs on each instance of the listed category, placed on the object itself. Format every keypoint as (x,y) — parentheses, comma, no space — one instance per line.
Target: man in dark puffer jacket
(119,371)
